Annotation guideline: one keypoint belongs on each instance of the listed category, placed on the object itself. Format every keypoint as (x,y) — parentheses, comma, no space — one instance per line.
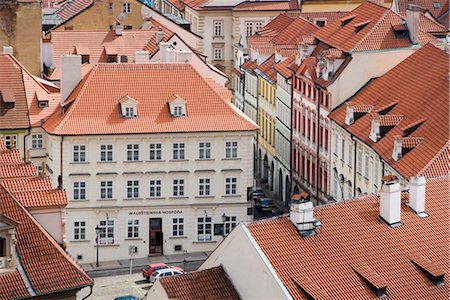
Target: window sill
(179,197)
(79,200)
(131,199)
(133,239)
(79,163)
(79,241)
(155,198)
(204,242)
(182,160)
(155,160)
(231,158)
(132,161)
(230,196)
(177,237)
(107,199)
(38,148)
(204,197)
(205,159)
(107,162)
(107,245)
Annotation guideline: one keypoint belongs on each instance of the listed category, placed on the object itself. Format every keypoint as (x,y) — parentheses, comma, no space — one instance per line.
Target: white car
(164,273)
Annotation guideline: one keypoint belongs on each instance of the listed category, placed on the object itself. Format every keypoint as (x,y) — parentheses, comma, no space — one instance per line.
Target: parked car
(276,212)
(164,273)
(127,297)
(148,271)
(265,205)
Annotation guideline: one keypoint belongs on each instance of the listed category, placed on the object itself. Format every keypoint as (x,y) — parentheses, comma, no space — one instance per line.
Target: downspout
(317,146)
(243,92)
(90,292)
(354,165)
(291,136)
(25,144)
(257,119)
(60,179)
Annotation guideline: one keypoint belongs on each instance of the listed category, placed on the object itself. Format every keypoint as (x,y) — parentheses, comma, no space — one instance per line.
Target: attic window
(400,30)
(177,111)
(129,112)
(177,106)
(42,103)
(361,25)
(128,107)
(385,110)
(123,59)
(112,58)
(374,282)
(320,22)
(409,130)
(436,5)
(429,268)
(84,59)
(346,20)
(309,288)
(8,98)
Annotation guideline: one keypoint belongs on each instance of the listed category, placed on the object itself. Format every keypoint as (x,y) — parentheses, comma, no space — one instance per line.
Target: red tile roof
(266,5)
(205,284)
(352,240)
(250,66)
(195,4)
(24,184)
(45,198)
(17,170)
(377,34)
(178,4)
(72,8)
(287,67)
(439,165)
(9,156)
(427,5)
(95,108)
(98,43)
(294,32)
(267,69)
(15,79)
(401,85)
(429,25)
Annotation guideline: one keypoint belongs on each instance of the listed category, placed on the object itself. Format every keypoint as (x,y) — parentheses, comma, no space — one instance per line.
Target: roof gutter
(24,275)
(266,262)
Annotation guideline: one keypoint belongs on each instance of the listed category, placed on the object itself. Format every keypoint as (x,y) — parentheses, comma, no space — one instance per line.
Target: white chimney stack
(119,29)
(184,56)
(412,22)
(398,148)
(349,115)
(417,194)
(164,52)
(302,212)
(70,74)
(159,35)
(8,50)
(390,200)
(142,57)
(375,132)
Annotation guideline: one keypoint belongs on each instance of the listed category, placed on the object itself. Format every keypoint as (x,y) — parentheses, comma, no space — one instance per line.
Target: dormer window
(347,19)
(128,107)
(7,244)
(8,98)
(177,106)
(42,103)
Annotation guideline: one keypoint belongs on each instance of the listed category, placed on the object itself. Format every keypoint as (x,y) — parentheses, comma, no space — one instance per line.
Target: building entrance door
(155,237)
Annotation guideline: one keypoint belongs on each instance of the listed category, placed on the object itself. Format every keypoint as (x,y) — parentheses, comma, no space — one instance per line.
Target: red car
(148,271)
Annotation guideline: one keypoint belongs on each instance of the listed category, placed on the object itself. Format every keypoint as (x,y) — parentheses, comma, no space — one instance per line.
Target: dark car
(128,297)
(265,205)
(276,212)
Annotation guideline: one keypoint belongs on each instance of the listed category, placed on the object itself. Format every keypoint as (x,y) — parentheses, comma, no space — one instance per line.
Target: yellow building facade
(20,27)
(266,115)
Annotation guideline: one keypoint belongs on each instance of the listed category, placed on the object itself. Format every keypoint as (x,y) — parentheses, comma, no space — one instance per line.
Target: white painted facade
(120,208)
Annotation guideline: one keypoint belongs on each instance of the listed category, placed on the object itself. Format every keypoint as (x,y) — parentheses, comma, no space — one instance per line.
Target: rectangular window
(106,152)
(106,189)
(177,111)
(129,112)
(177,227)
(359,160)
(350,154)
(366,163)
(155,152)
(204,186)
(342,152)
(178,151)
(230,186)
(106,232)
(248,28)
(258,25)
(231,149)
(79,230)
(155,188)
(126,8)
(204,150)
(133,228)
(375,179)
(218,53)
(10,141)
(79,190)
(132,152)
(218,28)
(230,223)
(204,229)
(79,153)
(178,187)
(132,189)
(37,141)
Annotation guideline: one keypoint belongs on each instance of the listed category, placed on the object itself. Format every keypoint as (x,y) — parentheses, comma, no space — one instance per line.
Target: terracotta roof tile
(12,286)
(195,4)
(72,8)
(205,284)
(401,85)
(178,4)
(267,69)
(45,198)
(284,67)
(24,184)
(9,156)
(429,25)
(352,234)
(436,11)
(250,66)
(95,109)
(439,165)
(17,170)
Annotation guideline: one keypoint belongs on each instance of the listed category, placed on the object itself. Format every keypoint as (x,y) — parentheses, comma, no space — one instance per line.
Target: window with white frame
(248,28)
(230,223)
(335,144)
(132,152)
(375,179)
(342,152)
(178,187)
(39,169)
(204,185)
(155,152)
(177,111)
(79,153)
(218,28)
(204,229)
(10,141)
(106,189)
(129,112)
(204,150)
(79,190)
(218,53)
(106,232)
(359,160)
(155,188)
(126,7)
(37,141)
(350,154)
(132,189)
(258,26)
(79,230)
(230,186)
(106,152)
(178,151)
(366,165)
(231,149)
(133,229)
(177,227)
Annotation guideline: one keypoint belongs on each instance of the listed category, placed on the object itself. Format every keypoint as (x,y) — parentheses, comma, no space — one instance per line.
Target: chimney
(147,25)
(349,115)
(375,132)
(390,201)
(412,22)
(320,68)
(184,56)
(70,74)
(119,29)
(417,194)
(142,57)
(164,52)
(8,50)
(302,53)
(302,212)
(159,35)
(398,148)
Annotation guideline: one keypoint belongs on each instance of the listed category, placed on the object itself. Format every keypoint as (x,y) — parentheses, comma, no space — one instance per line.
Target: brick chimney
(390,201)
(417,186)
(70,74)
(412,22)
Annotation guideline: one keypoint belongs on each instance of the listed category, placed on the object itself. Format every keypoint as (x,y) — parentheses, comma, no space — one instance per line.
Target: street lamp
(97,231)
(224,219)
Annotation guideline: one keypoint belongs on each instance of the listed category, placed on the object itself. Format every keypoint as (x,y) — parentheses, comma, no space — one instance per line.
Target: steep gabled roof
(72,8)
(352,250)
(417,98)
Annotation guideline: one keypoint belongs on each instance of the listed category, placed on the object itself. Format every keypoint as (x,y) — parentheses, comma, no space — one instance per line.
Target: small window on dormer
(129,112)
(128,107)
(436,5)
(43,103)
(177,111)
(177,106)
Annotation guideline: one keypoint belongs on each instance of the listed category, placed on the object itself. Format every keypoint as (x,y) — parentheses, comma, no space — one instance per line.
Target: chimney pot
(159,35)
(390,200)
(164,52)
(8,50)
(70,74)
(398,148)
(417,186)
(119,29)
